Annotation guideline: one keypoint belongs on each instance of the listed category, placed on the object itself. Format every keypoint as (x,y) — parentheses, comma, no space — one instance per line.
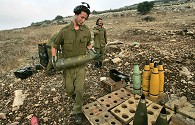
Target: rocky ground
(44,96)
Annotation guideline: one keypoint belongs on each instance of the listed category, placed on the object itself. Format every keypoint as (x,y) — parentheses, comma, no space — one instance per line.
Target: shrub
(58,17)
(145,7)
(148,19)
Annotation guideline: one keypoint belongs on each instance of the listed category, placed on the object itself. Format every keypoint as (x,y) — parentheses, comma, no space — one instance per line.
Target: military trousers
(74,80)
(101,52)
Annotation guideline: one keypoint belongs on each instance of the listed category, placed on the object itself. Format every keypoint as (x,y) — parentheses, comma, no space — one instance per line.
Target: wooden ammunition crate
(111,85)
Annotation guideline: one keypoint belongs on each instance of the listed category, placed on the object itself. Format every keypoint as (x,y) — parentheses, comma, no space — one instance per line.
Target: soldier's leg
(101,58)
(102,52)
(68,75)
(97,60)
(79,85)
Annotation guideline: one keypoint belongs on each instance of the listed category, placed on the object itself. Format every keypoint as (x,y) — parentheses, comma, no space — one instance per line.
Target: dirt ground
(170,38)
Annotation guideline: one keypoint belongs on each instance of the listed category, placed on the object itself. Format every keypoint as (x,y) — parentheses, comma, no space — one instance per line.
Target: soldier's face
(80,19)
(100,22)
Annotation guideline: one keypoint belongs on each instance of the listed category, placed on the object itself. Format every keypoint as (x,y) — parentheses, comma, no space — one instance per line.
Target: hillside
(169,36)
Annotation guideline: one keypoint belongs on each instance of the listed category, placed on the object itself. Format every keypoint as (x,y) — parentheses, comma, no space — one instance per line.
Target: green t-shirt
(73,42)
(100,38)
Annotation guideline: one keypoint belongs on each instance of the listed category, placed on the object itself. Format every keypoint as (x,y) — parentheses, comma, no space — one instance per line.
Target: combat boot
(100,64)
(78,118)
(96,65)
(73,96)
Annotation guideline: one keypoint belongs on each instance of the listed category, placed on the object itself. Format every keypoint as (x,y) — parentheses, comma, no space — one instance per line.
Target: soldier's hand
(90,46)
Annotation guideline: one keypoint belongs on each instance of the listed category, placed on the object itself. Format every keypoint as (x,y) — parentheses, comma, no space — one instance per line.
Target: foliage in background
(145,7)
(59,17)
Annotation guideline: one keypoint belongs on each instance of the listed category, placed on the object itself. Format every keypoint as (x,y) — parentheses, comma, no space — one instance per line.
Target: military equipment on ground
(146,79)
(141,115)
(136,79)
(151,64)
(24,72)
(154,83)
(65,63)
(161,77)
(162,118)
(118,76)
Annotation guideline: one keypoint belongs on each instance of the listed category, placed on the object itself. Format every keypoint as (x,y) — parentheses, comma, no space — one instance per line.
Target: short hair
(78,9)
(98,20)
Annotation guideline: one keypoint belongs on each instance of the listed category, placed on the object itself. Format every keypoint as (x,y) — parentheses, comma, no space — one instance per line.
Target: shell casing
(136,79)
(136,84)
(146,80)
(65,63)
(161,79)
(141,115)
(162,118)
(154,84)
(151,66)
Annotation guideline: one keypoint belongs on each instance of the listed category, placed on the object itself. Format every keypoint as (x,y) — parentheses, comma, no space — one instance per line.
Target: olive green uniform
(73,43)
(100,41)
(49,44)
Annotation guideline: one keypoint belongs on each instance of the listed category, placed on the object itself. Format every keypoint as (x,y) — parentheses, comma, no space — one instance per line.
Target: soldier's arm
(105,36)
(89,45)
(58,41)
(56,45)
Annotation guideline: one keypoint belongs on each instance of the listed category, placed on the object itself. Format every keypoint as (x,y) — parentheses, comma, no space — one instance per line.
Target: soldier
(50,69)
(100,41)
(74,40)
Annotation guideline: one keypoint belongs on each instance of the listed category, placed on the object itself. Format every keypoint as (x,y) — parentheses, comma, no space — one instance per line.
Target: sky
(21,13)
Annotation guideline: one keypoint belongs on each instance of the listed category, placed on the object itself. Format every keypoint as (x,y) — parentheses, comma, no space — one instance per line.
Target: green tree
(58,17)
(145,7)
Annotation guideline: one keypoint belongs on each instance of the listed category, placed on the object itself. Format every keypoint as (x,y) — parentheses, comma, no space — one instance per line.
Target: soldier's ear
(97,21)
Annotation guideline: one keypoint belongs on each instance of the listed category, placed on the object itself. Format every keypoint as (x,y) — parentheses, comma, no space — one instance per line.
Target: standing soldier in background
(74,40)
(100,41)
(50,69)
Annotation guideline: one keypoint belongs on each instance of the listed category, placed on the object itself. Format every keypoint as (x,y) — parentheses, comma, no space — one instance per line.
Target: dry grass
(19,46)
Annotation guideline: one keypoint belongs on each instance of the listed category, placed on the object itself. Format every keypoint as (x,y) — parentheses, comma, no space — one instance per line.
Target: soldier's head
(99,22)
(82,13)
